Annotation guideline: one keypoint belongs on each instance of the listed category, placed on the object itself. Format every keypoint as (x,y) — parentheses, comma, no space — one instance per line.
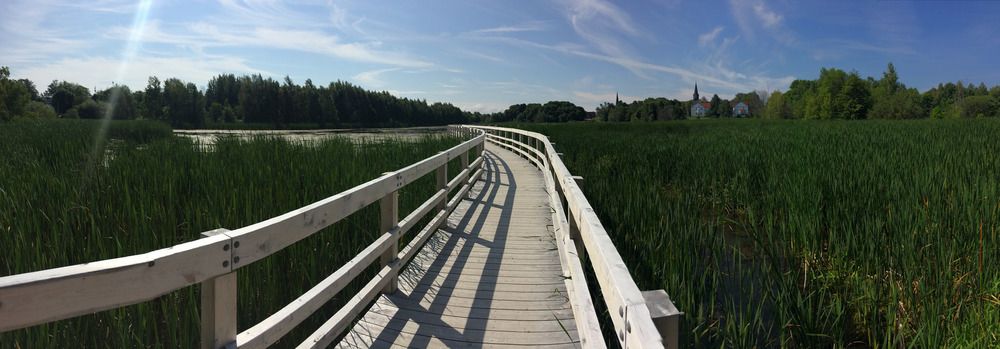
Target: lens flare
(128,54)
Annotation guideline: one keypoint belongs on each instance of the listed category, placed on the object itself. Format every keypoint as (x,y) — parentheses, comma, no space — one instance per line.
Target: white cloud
(203,35)
(372,78)
(709,37)
(481,55)
(27,37)
(603,25)
(524,27)
(98,72)
(767,17)
(750,14)
(728,80)
(482,107)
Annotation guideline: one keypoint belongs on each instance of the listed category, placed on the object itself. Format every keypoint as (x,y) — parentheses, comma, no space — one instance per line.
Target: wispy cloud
(203,35)
(29,37)
(603,25)
(709,37)
(481,55)
(767,17)
(523,27)
(839,48)
(372,78)
(96,71)
(751,14)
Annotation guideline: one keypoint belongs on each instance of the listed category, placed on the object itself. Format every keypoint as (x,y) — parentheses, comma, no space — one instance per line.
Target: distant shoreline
(422,129)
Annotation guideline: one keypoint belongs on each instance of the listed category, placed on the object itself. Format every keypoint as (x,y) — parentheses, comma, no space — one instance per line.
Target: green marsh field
(65,200)
(805,234)
(798,234)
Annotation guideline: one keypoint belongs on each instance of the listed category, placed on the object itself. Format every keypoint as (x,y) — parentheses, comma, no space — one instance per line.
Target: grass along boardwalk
(499,262)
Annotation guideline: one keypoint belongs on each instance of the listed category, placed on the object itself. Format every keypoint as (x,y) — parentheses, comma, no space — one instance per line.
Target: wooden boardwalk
(498,257)
(490,277)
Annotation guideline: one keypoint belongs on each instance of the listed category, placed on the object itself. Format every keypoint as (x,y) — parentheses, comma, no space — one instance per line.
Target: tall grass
(152,190)
(805,234)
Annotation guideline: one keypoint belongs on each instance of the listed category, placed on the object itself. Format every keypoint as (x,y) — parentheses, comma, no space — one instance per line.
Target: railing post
(665,316)
(218,305)
(465,160)
(389,218)
(574,229)
(442,181)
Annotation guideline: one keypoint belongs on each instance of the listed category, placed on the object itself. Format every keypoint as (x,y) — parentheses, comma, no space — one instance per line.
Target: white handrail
(60,293)
(627,305)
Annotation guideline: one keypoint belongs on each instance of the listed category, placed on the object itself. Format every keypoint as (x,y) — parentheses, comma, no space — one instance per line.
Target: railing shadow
(423,275)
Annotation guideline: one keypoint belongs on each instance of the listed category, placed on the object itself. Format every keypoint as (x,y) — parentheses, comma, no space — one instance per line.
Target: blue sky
(486,55)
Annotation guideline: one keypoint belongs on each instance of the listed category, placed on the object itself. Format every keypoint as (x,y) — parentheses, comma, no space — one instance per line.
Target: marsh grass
(804,234)
(154,190)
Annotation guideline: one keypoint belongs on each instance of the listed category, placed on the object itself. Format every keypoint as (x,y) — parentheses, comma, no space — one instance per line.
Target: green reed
(805,234)
(150,190)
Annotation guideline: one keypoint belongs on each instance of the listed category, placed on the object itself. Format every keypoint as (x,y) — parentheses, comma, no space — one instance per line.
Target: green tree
(14,96)
(64,95)
(119,102)
(725,109)
(154,99)
(714,109)
(215,112)
(978,107)
(183,104)
(90,109)
(39,110)
(777,107)
(892,100)
(32,90)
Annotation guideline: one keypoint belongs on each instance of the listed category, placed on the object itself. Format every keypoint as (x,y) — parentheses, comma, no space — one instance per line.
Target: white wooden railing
(212,261)
(641,319)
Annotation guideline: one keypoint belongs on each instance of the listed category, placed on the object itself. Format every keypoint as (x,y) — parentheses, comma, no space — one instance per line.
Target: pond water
(206,138)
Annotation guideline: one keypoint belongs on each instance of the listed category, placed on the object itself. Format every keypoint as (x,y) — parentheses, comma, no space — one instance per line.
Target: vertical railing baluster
(442,182)
(465,160)
(218,304)
(388,219)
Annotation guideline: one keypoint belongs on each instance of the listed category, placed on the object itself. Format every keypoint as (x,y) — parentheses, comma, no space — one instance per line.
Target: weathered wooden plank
(405,340)
(621,295)
(553,294)
(459,268)
(487,313)
(429,329)
(507,270)
(60,293)
(429,301)
(548,265)
(462,323)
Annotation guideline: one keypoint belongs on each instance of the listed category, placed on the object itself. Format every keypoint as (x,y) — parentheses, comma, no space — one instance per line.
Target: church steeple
(696,91)
(617,101)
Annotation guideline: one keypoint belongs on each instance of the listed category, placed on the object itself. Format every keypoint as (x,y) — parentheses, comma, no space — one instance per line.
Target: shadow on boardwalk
(484,279)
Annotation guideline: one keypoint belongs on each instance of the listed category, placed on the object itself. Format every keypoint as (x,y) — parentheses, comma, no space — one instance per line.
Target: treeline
(653,109)
(228,99)
(841,95)
(649,109)
(836,94)
(553,111)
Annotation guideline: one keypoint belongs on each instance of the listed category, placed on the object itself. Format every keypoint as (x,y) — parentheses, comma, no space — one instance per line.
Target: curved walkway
(486,279)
